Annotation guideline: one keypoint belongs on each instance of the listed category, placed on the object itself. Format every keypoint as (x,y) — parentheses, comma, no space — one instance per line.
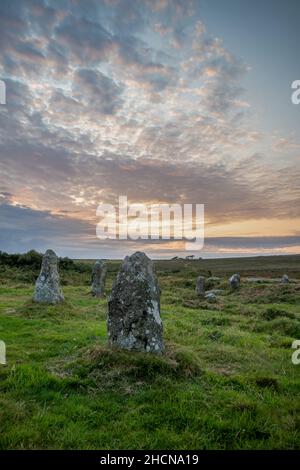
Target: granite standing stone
(47,286)
(99,278)
(134,321)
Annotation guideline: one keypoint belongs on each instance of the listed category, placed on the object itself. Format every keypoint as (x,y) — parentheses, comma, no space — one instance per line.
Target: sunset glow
(157,100)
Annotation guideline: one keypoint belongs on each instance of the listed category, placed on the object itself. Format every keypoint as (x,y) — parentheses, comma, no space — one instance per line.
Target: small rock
(235,281)
(99,278)
(47,286)
(211,297)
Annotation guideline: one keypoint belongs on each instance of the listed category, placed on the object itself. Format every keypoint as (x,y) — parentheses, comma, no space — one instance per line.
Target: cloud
(109,97)
(23,228)
(284,144)
(100,93)
(84,39)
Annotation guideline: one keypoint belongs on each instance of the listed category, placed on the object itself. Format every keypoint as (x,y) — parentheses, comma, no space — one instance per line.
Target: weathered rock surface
(99,278)
(235,281)
(285,279)
(211,297)
(200,286)
(215,291)
(134,321)
(47,286)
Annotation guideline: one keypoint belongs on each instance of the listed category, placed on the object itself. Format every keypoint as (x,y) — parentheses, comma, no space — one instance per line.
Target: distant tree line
(33,260)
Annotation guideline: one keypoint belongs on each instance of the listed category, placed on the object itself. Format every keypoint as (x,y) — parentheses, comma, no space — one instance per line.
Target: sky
(164,101)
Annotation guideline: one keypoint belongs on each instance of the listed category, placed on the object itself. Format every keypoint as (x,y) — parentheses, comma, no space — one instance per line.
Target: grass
(225,382)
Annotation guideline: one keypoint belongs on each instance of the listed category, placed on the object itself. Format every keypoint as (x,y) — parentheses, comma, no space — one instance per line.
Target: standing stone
(134,321)
(235,281)
(285,279)
(98,279)
(200,286)
(47,286)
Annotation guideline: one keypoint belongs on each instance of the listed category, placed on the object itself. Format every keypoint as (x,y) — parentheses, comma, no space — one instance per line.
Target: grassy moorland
(225,382)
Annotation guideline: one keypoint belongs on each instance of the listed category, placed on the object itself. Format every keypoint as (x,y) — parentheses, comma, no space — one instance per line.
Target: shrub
(30,259)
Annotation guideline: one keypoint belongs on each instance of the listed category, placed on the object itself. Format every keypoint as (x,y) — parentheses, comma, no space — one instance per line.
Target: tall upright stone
(99,278)
(47,286)
(200,286)
(235,281)
(134,321)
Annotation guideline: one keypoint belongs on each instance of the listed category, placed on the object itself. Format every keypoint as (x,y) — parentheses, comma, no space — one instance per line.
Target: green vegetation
(225,382)
(26,267)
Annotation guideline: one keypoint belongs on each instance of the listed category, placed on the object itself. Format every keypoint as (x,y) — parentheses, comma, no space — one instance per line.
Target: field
(226,381)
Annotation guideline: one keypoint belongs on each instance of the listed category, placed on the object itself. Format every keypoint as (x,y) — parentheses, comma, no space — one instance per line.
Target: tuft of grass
(271,313)
(105,367)
(284,326)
